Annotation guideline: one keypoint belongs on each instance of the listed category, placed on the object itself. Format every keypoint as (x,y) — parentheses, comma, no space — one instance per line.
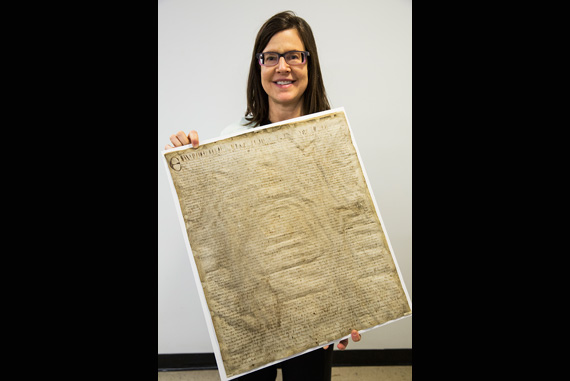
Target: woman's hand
(180,139)
(356,337)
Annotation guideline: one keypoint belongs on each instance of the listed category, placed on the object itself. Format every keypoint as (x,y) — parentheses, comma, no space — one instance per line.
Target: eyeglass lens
(292,58)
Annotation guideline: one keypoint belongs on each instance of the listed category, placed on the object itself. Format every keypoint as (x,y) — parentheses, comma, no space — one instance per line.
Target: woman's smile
(284,83)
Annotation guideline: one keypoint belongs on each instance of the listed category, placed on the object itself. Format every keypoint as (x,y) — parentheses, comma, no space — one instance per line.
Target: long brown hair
(315,96)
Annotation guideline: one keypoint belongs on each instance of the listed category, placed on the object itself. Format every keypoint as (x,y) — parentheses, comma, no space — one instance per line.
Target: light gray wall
(365,50)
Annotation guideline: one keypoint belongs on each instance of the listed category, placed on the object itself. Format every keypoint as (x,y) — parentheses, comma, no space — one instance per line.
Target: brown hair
(315,96)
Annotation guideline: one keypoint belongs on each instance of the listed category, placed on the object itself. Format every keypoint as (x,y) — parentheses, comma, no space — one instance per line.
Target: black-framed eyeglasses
(294,57)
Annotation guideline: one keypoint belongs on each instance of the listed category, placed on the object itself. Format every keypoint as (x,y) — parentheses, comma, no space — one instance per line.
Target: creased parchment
(286,239)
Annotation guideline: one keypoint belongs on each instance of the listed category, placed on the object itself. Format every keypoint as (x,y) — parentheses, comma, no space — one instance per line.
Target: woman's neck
(279,113)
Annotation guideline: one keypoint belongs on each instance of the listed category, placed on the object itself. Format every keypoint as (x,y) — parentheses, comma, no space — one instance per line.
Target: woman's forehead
(285,41)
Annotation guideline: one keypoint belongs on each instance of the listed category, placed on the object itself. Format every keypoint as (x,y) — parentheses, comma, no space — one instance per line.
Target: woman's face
(296,77)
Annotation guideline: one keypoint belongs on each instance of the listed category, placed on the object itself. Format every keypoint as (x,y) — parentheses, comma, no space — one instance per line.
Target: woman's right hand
(180,139)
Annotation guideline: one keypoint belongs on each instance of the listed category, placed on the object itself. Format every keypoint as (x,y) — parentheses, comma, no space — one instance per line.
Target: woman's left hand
(356,337)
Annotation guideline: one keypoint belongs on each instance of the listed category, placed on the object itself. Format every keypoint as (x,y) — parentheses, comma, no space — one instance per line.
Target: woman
(284,82)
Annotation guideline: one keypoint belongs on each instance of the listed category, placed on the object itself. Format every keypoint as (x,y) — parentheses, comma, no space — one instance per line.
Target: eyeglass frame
(260,55)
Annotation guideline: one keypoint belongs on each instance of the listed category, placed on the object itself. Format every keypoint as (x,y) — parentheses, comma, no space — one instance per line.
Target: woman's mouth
(284,83)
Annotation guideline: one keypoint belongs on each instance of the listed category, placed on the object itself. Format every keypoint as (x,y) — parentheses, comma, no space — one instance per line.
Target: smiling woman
(270,102)
(284,82)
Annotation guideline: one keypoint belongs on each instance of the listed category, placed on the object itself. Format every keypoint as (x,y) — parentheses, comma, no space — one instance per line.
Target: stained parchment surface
(289,248)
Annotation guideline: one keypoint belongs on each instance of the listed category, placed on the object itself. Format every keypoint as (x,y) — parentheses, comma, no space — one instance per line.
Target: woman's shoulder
(236,127)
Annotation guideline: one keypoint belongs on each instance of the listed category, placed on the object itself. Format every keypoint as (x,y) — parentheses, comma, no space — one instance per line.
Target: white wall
(365,48)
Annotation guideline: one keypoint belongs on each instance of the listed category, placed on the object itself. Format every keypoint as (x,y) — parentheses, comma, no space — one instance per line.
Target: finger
(327,347)
(179,139)
(168,147)
(356,337)
(182,138)
(175,140)
(194,139)
(343,345)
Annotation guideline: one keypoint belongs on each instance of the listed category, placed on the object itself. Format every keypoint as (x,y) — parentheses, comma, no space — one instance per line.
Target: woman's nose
(283,66)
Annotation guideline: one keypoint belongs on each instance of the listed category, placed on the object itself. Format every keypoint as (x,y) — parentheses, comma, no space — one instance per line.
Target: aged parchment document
(286,239)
